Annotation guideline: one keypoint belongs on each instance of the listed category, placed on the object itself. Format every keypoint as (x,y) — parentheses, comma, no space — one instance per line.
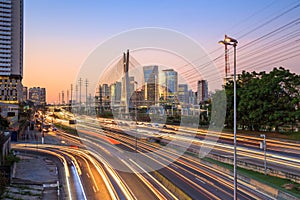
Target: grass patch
(67,129)
(294,136)
(285,185)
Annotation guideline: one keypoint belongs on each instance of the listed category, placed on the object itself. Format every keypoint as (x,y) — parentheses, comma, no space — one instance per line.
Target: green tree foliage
(265,100)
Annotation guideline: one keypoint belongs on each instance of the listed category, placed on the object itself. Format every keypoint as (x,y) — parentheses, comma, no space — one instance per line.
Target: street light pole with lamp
(265,148)
(233,42)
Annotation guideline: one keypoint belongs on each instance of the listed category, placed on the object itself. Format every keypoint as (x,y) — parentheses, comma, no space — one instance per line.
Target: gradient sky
(60,34)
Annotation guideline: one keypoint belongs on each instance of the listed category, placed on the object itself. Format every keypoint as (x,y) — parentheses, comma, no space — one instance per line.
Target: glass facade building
(150,86)
(169,84)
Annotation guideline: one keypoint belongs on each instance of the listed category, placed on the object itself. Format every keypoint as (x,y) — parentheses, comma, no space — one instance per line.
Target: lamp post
(265,148)
(233,42)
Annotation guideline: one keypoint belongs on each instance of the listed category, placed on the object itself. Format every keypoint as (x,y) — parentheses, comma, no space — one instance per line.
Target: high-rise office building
(37,95)
(151,82)
(11,50)
(169,84)
(105,91)
(183,95)
(105,95)
(25,93)
(115,93)
(202,91)
(192,97)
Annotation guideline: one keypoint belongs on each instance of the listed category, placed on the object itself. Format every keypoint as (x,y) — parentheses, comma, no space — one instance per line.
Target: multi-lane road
(106,161)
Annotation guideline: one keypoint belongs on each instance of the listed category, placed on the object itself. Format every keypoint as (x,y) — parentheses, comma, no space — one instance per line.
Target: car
(156,125)
(72,121)
(46,128)
(173,128)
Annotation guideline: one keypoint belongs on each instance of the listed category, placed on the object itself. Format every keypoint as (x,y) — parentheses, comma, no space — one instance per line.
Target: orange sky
(53,64)
(59,35)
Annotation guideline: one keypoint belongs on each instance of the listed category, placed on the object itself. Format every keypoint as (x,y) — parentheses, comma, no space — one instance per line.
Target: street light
(233,42)
(265,148)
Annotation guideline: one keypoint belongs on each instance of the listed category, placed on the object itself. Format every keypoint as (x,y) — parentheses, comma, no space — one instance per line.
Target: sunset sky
(61,34)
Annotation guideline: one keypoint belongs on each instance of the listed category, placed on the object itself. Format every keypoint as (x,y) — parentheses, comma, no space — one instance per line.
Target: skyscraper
(106,96)
(202,91)
(151,80)
(169,84)
(11,50)
(183,96)
(115,93)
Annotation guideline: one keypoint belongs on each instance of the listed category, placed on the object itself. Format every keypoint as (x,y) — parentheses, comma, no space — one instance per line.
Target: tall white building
(11,50)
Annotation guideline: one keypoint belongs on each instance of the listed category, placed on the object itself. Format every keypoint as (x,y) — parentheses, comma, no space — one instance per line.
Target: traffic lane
(221,193)
(194,188)
(104,149)
(92,181)
(140,190)
(188,188)
(214,184)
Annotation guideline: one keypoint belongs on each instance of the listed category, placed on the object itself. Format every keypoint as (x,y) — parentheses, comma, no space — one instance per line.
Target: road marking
(175,166)
(200,180)
(88,175)
(94,189)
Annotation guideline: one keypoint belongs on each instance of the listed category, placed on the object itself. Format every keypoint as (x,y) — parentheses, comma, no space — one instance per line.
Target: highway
(107,161)
(194,179)
(87,174)
(280,155)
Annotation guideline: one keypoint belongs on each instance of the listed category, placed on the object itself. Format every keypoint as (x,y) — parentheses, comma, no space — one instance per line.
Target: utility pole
(62,97)
(100,99)
(68,97)
(80,84)
(59,98)
(86,95)
(76,90)
(71,94)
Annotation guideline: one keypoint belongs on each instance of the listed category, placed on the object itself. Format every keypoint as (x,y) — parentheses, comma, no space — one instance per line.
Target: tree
(265,100)
(282,88)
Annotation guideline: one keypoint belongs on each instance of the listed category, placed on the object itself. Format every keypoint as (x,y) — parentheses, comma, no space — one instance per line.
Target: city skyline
(159,86)
(53,45)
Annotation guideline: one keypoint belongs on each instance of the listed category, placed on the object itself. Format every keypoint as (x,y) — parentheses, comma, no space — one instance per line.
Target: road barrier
(171,186)
(275,193)
(251,166)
